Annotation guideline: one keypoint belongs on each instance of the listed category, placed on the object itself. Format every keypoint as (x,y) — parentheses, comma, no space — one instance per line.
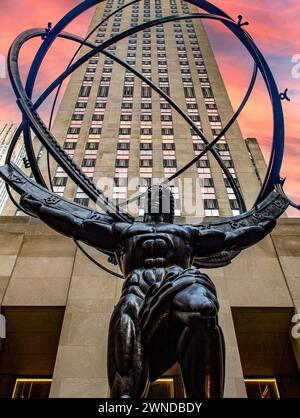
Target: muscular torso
(152,246)
(151,255)
(147,253)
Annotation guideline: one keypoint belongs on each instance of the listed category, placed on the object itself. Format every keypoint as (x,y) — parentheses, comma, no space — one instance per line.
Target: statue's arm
(94,233)
(208,242)
(247,236)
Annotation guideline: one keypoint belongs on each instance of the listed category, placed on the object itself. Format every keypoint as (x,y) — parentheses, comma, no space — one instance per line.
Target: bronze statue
(168,309)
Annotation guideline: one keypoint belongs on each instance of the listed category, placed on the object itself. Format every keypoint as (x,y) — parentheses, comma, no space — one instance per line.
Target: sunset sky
(273,25)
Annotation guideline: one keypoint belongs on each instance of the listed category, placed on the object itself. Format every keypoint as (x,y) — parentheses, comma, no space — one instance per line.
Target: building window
(203,164)
(146,106)
(145,181)
(122,163)
(123,146)
(82,201)
(95,131)
(77,116)
(146,163)
(211,106)
(198,147)
(207,92)
(98,117)
(146,118)
(125,131)
(189,92)
(146,146)
(127,118)
(120,182)
(92,146)
(74,131)
(88,162)
(128,91)
(206,182)
(100,105)
(167,131)
(166,118)
(69,145)
(103,91)
(146,92)
(168,147)
(234,204)
(216,132)
(262,388)
(222,147)
(146,131)
(81,105)
(60,181)
(31,388)
(227,183)
(126,105)
(214,118)
(84,91)
(170,163)
(211,204)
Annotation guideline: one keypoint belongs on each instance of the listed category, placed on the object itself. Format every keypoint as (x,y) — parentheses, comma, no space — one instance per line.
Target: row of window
(146,93)
(210,203)
(167,129)
(92,146)
(123,147)
(214,118)
(145,156)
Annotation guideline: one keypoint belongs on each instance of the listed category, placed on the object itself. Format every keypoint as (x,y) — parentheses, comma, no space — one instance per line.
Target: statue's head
(159,205)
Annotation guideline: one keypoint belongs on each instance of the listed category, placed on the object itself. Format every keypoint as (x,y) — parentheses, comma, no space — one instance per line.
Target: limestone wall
(39,267)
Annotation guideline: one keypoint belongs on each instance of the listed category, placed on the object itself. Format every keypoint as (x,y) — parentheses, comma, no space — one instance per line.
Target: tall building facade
(116,128)
(7,131)
(124,135)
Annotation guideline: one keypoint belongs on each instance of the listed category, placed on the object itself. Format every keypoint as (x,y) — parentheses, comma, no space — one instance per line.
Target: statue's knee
(208,309)
(199,301)
(203,313)
(209,315)
(194,319)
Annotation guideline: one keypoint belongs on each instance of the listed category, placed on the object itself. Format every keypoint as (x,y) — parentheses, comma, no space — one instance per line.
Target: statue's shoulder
(121,226)
(124,228)
(181,230)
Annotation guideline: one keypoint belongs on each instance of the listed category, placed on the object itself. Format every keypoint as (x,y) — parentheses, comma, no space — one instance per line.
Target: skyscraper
(115,127)
(121,132)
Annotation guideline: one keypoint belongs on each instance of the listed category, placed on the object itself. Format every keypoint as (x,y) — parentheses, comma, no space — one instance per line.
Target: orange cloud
(274,27)
(20,15)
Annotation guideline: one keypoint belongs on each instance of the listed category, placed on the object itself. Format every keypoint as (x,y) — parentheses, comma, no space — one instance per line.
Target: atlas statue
(168,308)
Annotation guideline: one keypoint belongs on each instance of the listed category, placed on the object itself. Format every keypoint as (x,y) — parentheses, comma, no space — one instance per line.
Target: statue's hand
(57,219)
(32,205)
(248,236)
(268,225)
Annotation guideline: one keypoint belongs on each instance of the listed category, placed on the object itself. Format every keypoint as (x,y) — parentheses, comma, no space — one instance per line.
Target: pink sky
(273,25)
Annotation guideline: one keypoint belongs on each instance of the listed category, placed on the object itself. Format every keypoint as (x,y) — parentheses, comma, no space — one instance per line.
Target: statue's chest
(154,247)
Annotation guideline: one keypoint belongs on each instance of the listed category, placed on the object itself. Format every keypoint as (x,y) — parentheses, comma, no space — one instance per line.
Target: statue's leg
(127,368)
(201,349)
